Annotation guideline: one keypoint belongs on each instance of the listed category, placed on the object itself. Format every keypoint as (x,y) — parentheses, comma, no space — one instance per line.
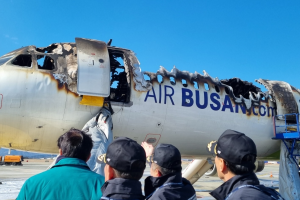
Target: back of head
(167,159)
(126,157)
(237,150)
(75,144)
(240,169)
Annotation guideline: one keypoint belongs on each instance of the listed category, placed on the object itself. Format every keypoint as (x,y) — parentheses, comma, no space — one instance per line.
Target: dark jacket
(245,193)
(70,178)
(119,188)
(164,188)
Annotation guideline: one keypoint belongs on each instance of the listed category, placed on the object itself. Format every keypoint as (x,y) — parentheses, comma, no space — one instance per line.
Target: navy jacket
(164,188)
(119,188)
(245,193)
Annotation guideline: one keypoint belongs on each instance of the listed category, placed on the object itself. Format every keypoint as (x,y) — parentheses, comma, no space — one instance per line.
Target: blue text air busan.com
(212,101)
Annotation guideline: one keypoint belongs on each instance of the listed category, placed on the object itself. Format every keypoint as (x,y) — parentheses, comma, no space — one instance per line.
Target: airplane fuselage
(37,106)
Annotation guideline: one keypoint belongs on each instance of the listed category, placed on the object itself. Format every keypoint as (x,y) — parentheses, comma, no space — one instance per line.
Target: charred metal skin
(252,97)
(62,61)
(64,56)
(283,96)
(35,94)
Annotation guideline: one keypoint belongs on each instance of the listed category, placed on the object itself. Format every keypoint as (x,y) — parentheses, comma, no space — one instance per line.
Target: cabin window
(226,90)
(196,85)
(160,78)
(206,86)
(172,80)
(45,62)
(22,60)
(217,89)
(184,83)
(4,59)
(119,83)
(146,77)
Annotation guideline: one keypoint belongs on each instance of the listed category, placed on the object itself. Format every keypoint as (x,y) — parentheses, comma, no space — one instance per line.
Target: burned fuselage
(39,102)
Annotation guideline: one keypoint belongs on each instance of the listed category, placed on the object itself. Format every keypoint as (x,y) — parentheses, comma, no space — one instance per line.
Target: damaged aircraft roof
(63,56)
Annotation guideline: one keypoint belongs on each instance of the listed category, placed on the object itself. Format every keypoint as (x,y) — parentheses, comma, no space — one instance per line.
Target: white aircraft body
(40,100)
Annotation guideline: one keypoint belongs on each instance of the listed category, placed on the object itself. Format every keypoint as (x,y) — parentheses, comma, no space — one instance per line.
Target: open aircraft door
(93,78)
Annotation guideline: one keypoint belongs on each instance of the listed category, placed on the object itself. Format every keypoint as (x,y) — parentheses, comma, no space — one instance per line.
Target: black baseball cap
(167,156)
(124,155)
(233,146)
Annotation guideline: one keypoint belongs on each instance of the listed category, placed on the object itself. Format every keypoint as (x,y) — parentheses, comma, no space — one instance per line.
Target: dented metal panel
(93,68)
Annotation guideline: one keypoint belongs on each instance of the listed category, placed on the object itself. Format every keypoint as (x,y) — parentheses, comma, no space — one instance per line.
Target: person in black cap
(166,182)
(235,156)
(125,164)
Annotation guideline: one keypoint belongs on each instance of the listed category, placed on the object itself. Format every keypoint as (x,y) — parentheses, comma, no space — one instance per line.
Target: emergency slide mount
(290,134)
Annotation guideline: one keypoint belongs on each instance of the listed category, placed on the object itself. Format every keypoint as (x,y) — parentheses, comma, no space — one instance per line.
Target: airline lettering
(187,100)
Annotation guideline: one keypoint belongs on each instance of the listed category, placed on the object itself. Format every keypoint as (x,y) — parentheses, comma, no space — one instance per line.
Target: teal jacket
(70,178)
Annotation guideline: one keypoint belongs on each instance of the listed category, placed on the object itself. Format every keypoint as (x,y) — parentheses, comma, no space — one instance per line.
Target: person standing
(125,163)
(70,177)
(235,156)
(166,181)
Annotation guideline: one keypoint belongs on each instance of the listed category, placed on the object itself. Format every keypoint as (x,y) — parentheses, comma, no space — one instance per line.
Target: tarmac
(13,177)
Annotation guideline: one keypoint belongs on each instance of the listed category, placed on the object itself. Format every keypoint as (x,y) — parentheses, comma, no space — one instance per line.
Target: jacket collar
(238,180)
(117,187)
(151,183)
(70,161)
(59,158)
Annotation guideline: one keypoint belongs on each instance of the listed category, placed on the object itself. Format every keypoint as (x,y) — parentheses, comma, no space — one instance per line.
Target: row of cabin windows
(120,89)
(196,85)
(184,83)
(44,62)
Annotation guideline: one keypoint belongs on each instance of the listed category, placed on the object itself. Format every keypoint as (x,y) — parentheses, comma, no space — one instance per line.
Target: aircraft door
(93,78)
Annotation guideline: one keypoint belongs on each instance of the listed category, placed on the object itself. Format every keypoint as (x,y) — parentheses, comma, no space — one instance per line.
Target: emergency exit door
(93,77)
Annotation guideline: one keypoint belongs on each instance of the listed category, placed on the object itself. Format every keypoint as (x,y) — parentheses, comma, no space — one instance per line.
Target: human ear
(154,171)
(158,173)
(60,152)
(223,166)
(108,173)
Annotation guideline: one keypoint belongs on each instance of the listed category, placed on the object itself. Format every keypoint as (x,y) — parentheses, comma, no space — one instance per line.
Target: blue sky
(246,39)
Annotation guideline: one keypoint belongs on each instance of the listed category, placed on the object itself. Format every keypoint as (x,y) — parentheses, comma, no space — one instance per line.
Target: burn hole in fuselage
(119,87)
(240,87)
(45,62)
(22,60)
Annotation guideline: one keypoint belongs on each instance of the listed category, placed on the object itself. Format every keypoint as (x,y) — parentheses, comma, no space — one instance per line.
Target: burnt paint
(59,85)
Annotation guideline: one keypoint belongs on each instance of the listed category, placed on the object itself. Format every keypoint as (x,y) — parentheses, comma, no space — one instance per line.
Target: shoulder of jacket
(39,176)
(158,195)
(248,193)
(90,172)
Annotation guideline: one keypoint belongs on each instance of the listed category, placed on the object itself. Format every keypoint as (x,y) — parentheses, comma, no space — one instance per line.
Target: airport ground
(13,177)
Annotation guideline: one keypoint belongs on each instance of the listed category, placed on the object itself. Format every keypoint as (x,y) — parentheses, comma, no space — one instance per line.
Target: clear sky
(249,39)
